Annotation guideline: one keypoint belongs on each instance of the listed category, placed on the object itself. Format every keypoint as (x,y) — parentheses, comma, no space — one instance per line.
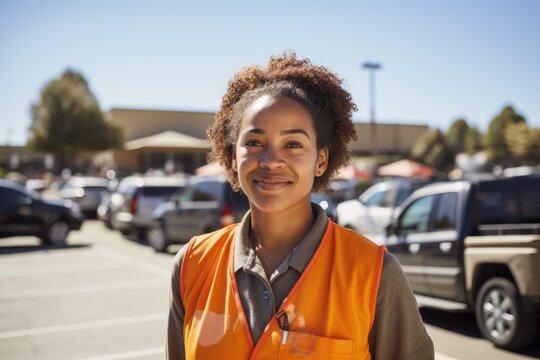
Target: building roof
(168,140)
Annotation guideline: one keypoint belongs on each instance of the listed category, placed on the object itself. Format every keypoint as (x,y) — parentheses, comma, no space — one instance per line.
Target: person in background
(287,281)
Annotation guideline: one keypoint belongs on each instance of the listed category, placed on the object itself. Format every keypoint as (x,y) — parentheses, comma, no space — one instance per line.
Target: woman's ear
(322,161)
(233,162)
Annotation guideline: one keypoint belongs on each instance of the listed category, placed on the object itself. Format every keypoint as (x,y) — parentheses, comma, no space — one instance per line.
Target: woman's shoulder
(353,238)
(213,239)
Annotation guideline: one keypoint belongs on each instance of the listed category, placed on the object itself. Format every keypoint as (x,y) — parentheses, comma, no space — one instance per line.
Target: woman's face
(276,154)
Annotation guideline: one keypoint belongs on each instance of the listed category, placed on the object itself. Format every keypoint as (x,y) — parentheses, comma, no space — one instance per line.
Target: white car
(375,208)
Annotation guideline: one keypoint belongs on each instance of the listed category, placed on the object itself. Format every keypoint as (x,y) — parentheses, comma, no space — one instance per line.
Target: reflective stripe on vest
(330,309)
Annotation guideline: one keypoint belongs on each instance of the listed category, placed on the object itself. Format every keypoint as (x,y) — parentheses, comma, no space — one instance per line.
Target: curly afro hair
(315,87)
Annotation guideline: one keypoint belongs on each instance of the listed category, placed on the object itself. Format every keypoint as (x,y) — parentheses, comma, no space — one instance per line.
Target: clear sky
(441,59)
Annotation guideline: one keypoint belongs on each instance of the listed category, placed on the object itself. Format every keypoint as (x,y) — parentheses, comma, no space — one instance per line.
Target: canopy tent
(168,140)
(212,169)
(406,168)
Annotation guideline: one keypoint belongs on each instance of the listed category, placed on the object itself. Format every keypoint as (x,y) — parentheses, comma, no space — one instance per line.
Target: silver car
(140,198)
(85,191)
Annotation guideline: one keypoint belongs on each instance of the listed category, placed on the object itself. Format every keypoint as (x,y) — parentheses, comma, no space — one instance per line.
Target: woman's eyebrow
(283,132)
(294,131)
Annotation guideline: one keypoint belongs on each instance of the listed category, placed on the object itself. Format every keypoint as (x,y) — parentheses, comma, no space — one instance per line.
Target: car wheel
(108,222)
(57,233)
(142,233)
(156,237)
(502,317)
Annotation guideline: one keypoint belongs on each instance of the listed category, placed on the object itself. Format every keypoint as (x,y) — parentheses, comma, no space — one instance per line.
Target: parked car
(25,213)
(85,191)
(475,246)
(112,200)
(375,208)
(139,200)
(326,203)
(204,206)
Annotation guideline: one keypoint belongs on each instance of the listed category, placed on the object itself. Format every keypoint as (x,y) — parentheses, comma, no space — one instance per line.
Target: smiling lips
(271,183)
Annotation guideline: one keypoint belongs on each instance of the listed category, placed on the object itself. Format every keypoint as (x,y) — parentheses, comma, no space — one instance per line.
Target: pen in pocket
(283,322)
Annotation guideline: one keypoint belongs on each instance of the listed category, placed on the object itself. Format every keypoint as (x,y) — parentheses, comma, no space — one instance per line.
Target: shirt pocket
(308,346)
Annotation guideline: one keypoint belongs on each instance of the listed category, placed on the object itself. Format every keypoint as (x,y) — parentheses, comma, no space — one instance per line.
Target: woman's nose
(271,159)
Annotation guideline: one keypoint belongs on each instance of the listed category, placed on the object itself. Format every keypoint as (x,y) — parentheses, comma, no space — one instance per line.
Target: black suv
(205,205)
(23,213)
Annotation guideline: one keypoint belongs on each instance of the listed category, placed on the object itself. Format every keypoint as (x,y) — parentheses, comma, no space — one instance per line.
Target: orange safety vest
(330,309)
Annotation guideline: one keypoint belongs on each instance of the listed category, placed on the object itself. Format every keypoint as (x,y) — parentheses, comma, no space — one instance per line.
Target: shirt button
(266,295)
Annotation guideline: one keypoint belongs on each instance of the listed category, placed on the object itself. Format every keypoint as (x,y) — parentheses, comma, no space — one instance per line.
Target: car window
(239,201)
(380,198)
(207,191)
(416,217)
(124,185)
(159,191)
(445,214)
(97,188)
(509,201)
(402,194)
(68,186)
(10,198)
(530,202)
(498,204)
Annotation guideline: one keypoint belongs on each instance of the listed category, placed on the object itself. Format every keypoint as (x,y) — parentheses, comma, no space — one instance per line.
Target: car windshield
(34,194)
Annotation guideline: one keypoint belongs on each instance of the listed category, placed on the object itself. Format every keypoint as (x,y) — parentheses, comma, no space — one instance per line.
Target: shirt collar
(244,255)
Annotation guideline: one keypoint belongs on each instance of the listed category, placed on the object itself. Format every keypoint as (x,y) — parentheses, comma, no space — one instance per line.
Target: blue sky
(441,59)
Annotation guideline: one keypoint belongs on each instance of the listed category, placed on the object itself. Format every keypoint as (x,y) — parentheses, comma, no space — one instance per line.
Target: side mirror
(390,229)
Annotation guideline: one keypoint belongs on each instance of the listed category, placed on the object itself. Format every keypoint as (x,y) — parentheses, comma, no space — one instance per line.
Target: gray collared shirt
(397,333)
(261,297)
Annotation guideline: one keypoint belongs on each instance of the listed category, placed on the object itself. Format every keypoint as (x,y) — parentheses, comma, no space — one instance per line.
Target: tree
(457,134)
(523,143)
(431,149)
(67,120)
(494,140)
(473,140)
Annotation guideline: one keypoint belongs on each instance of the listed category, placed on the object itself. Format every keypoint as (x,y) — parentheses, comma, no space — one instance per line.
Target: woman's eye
(252,143)
(294,145)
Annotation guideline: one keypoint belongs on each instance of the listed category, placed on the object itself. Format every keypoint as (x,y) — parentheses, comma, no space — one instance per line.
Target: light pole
(372,67)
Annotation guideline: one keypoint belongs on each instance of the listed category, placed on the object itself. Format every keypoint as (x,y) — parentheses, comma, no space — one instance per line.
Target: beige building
(176,140)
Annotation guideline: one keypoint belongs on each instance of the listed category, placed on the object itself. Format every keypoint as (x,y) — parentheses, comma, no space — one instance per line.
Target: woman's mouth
(271,183)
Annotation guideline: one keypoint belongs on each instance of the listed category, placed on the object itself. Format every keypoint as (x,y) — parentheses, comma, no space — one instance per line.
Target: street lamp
(372,67)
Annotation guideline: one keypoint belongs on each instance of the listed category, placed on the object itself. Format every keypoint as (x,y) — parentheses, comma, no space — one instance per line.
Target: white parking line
(154,269)
(128,355)
(116,255)
(439,356)
(83,326)
(49,270)
(80,289)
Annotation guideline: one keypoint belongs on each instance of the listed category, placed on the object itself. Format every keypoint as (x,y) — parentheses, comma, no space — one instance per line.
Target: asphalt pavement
(105,297)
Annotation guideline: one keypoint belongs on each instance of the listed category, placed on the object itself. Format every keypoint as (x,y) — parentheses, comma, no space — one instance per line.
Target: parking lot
(102,297)
(105,297)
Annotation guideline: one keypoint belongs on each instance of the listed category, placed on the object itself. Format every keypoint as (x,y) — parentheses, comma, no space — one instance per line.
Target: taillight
(134,203)
(227,217)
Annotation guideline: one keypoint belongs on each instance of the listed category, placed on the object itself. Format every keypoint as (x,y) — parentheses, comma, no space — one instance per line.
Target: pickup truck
(475,246)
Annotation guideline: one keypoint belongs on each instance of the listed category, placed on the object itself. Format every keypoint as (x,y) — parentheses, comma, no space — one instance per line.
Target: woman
(286,281)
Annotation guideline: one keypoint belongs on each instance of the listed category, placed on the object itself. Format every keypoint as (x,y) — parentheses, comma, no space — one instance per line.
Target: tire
(501,315)
(57,233)
(108,222)
(156,237)
(142,234)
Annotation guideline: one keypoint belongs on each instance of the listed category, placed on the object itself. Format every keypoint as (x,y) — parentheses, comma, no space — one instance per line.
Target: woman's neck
(284,229)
